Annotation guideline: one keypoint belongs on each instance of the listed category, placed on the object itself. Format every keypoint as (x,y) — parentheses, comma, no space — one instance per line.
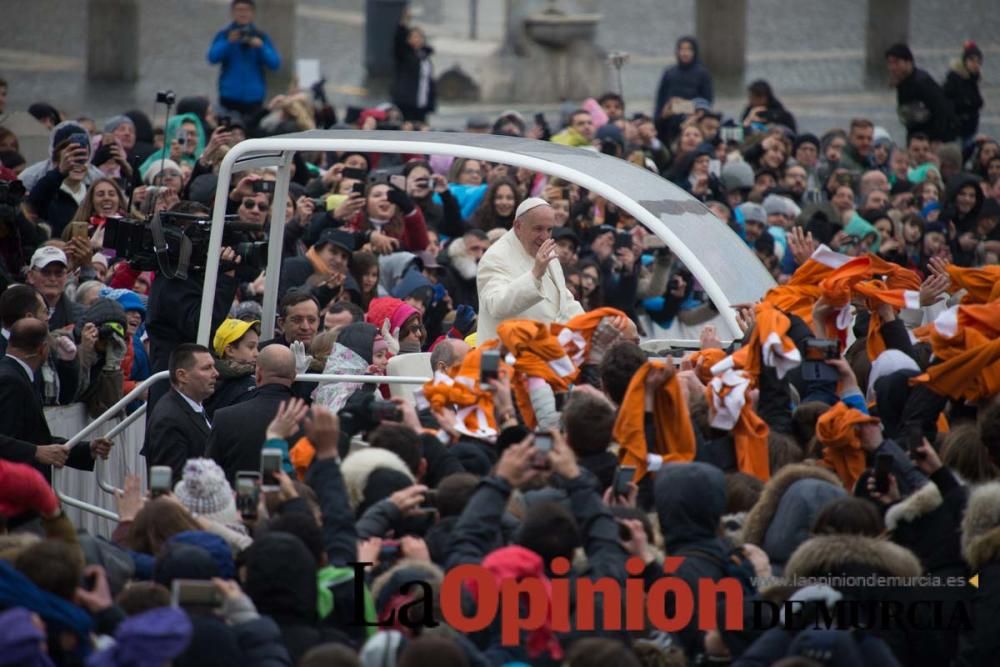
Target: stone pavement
(810,51)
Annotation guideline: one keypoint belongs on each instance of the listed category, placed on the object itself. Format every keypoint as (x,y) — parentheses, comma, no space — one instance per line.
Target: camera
(166,97)
(247,33)
(263,187)
(385,411)
(618,58)
(109,329)
(177,243)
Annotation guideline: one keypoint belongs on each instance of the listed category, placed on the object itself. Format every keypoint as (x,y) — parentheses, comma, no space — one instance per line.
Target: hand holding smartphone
(623,480)
(160,478)
(270,463)
(883,465)
(489,368)
(248,483)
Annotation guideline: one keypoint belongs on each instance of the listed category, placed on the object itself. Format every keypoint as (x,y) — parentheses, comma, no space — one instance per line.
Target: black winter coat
(405,86)
(684,81)
(962,89)
(923,107)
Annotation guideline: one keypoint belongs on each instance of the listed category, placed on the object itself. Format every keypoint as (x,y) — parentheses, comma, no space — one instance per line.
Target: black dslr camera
(247,33)
(176,244)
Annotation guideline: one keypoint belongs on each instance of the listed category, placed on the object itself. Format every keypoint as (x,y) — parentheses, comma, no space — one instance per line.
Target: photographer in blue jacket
(244,51)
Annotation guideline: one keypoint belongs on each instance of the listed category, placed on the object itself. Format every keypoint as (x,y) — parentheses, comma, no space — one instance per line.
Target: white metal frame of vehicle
(719,260)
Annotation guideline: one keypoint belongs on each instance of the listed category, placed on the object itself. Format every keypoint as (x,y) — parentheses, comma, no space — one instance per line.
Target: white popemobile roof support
(720,261)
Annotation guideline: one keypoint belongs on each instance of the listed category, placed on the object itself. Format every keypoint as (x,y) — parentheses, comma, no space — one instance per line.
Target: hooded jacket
(782,518)
(684,81)
(392,268)
(173,125)
(690,501)
(281,581)
(961,87)
(963,222)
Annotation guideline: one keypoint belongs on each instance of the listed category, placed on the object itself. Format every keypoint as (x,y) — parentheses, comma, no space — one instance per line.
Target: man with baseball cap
(322,269)
(520,277)
(48,272)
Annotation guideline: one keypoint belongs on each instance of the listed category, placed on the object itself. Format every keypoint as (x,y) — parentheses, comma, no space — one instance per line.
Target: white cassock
(508,290)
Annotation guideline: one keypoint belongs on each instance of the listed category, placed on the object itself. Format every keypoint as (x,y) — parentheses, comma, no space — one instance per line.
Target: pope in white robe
(520,276)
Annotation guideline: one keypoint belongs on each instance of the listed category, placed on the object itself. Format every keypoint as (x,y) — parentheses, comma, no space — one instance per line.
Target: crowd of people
(853,429)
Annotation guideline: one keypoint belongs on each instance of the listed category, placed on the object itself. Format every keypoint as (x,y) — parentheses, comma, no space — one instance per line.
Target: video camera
(176,244)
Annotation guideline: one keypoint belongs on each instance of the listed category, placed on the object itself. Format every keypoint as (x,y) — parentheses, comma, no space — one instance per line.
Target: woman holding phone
(391,220)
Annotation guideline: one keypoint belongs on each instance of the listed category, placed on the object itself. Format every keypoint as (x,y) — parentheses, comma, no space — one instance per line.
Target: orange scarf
(842,453)
(708,357)
(301,455)
(675,440)
(575,335)
(319,266)
(731,410)
(982,284)
(802,291)
(769,345)
(965,338)
(842,284)
(878,292)
(972,375)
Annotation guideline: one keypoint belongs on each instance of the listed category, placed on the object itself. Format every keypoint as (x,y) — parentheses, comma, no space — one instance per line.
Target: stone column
(721,29)
(381,20)
(113,40)
(888,23)
(277,19)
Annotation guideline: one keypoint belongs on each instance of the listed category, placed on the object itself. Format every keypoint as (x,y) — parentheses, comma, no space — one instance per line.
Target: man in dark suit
(238,431)
(24,301)
(178,428)
(22,418)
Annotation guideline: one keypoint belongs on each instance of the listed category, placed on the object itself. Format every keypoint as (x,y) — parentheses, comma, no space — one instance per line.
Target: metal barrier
(111,435)
(118,407)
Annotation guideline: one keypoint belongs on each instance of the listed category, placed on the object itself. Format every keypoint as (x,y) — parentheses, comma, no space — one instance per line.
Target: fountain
(549,55)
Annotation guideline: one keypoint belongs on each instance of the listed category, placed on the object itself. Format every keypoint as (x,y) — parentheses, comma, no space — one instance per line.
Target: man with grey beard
(461,263)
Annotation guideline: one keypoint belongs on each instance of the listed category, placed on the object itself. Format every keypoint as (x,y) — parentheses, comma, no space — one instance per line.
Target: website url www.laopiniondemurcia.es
(868,581)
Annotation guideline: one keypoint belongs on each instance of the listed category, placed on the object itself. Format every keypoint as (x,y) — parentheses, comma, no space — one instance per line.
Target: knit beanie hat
(204,491)
(971,50)
(117,121)
(379,345)
(156,167)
